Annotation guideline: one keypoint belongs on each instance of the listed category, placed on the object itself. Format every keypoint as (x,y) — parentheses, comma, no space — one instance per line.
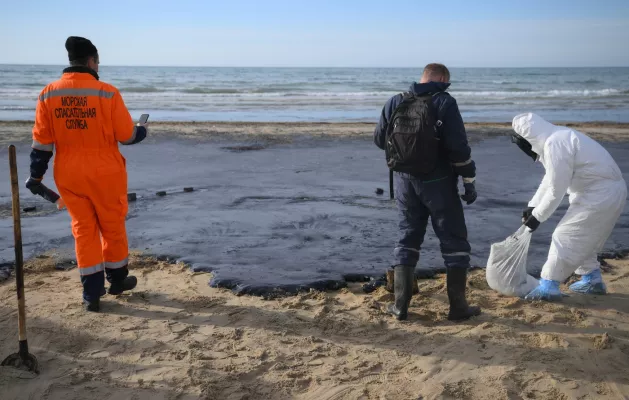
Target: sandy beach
(175,337)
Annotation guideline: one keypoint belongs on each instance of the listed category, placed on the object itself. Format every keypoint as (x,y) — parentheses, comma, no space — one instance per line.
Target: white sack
(506,267)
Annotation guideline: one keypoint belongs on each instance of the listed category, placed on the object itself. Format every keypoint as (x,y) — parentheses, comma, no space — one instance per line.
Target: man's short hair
(437,70)
(84,61)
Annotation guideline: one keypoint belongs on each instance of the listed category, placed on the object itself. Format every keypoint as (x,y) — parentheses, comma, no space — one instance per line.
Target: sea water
(333,94)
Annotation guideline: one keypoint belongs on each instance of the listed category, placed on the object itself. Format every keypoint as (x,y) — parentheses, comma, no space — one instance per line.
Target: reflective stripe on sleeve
(463,164)
(133,136)
(469,180)
(43,147)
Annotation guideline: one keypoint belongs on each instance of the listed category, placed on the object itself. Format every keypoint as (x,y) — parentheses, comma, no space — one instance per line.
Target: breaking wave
(546,93)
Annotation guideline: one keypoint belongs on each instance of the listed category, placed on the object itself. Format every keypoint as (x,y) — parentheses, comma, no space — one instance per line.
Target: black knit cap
(79,47)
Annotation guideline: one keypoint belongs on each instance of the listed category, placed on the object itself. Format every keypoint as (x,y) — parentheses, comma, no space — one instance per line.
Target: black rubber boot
(390,279)
(128,283)
(92,306)
(390,287)
(459,309)
(404,277)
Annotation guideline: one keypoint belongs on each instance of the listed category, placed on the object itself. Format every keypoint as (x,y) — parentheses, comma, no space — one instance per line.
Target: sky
(320,33)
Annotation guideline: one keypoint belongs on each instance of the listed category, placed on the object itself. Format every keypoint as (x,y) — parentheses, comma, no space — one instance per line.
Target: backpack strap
(439,122)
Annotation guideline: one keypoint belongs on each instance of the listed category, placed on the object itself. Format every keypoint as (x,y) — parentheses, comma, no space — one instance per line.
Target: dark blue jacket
(456,157)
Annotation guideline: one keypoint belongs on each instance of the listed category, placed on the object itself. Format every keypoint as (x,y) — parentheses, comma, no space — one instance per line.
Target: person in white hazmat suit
(577,165)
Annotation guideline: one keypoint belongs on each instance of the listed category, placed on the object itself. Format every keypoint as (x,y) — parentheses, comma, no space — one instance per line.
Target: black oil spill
(299,216)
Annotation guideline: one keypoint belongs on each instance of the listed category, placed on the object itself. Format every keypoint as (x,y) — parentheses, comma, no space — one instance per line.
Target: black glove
(532,223)
(526,213)
(35,186)
(470,193)
(38,188)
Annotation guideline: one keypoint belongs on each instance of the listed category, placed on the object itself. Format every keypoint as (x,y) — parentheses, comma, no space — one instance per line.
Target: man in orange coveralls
(84,119)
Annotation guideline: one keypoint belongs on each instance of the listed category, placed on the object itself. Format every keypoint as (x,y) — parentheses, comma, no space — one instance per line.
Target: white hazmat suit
(577,165)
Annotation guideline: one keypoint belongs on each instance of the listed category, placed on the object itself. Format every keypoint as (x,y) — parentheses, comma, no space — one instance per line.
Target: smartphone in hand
(143,119)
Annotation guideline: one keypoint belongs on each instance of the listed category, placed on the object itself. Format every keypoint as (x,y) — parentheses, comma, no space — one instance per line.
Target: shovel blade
(27,362)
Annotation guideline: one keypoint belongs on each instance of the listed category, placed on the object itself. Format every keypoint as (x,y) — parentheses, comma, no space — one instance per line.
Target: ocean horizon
(334,94)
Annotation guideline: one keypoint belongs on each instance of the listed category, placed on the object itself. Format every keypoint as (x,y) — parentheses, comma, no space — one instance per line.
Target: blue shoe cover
(591,283)
(547,290)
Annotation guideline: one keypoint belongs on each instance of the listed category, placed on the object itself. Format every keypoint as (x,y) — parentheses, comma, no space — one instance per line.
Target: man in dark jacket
(434,195)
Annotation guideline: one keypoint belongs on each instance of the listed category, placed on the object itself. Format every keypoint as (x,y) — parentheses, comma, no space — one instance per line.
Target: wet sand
(19,131)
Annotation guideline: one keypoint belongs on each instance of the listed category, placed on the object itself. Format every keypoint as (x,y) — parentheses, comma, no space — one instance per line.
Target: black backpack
(412,136)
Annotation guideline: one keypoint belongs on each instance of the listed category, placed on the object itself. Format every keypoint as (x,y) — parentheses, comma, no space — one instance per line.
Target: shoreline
(323,123)
(19,132)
